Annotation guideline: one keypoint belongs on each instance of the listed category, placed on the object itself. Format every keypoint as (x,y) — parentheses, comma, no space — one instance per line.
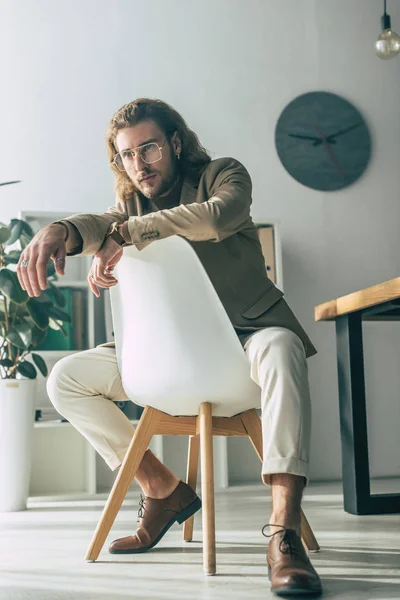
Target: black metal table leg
(353,423)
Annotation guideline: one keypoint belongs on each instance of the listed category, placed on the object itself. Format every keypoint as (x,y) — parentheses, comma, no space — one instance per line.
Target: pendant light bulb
(388,43)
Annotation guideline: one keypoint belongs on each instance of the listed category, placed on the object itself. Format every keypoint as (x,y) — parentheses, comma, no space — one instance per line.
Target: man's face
(155,179)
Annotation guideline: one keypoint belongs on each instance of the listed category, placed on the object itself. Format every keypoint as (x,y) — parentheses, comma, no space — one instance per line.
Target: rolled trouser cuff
(292,466)
(116,459)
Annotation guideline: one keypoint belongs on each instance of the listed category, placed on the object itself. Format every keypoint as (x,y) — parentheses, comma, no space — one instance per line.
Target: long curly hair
(193,158)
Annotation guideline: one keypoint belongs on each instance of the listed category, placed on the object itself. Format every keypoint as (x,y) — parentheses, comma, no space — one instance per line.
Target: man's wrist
(64,227)
(74,244)
(115,233)
(124,232)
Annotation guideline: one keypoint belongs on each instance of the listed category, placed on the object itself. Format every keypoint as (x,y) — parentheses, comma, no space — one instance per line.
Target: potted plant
(24,322)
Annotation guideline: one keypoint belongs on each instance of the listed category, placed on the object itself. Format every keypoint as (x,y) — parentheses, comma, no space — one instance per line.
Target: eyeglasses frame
(134,150)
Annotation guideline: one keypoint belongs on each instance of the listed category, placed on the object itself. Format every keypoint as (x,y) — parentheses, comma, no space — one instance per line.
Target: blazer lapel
(139,206)
(188,192)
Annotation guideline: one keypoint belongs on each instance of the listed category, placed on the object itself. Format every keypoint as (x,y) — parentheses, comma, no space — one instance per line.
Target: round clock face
(323,141)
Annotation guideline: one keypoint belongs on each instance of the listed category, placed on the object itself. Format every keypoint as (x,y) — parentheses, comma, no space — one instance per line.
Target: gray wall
(230,67)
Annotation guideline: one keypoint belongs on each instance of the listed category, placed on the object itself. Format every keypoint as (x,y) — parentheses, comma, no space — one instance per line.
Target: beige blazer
(214,216)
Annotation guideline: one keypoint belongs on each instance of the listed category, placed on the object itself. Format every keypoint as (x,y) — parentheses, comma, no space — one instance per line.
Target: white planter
(17,415)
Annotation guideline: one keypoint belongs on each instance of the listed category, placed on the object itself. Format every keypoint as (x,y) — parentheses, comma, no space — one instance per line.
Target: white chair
(180,358)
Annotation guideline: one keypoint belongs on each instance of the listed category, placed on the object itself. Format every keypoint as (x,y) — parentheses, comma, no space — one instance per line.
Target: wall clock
(323,141)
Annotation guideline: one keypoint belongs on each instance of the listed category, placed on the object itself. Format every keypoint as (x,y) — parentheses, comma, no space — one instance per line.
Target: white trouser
(84,386)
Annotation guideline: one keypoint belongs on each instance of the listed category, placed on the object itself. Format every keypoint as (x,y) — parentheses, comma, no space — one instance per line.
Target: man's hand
(49,242)
(106,259)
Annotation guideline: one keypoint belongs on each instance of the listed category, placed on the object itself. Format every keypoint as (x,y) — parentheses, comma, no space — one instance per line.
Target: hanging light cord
(384,6)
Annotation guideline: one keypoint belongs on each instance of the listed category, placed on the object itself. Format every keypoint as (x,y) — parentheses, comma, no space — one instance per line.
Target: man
(166,185)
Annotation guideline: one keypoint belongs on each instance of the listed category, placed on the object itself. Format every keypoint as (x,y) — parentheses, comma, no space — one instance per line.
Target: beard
(163,186)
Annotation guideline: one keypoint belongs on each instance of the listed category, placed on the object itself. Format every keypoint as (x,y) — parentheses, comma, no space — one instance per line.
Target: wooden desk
(377,303)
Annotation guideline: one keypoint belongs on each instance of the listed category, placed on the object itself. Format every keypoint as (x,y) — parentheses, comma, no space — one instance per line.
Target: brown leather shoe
(156,517)
(289,568)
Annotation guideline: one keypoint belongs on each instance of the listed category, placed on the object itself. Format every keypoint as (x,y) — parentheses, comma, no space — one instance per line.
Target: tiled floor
(42,551)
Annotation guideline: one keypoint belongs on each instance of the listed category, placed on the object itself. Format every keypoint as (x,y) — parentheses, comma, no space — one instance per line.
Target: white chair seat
(175,344)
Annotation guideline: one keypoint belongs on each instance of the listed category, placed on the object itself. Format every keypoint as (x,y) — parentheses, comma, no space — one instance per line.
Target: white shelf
(73,284)
(44,215)
(63,424)
(51,424)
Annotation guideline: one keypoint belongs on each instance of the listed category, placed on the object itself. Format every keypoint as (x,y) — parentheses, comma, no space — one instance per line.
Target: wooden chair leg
(138,446)
(307,534)
(252,423)
(207,487)
(191,478)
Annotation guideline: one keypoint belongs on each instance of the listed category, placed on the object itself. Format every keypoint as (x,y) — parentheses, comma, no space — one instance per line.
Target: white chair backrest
(175,344)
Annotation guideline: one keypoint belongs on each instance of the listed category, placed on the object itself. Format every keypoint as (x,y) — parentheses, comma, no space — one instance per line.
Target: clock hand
(317,141)
(342,131)
(330,151)
(304,137)
(330,138)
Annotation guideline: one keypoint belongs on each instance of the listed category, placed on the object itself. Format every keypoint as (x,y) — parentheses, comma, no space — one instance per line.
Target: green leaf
(14,353)
(27,369)
(38,336)
(11,288)
(5,233)
(24,241)
(58,326)
(57,313)
(39,311)
(41,365)
(9,182)
(12,257)
(27,229)
(25,332)
(44,299)
(13,308)
(50,268)
(15,339)
(59,297)
(16,230)
(20,335)
(6,362)
(26,234)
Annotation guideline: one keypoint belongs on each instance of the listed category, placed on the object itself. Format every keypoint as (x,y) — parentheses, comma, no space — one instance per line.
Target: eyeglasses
(149,153)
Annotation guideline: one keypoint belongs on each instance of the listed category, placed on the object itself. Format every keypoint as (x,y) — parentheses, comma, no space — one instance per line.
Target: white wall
(230,67)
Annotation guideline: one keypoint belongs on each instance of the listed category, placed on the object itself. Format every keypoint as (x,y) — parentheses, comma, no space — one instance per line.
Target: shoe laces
(286,543)
(142,509)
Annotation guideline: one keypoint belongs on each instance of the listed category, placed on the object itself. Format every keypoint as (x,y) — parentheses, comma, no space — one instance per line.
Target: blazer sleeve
(225,212)
(93,228)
